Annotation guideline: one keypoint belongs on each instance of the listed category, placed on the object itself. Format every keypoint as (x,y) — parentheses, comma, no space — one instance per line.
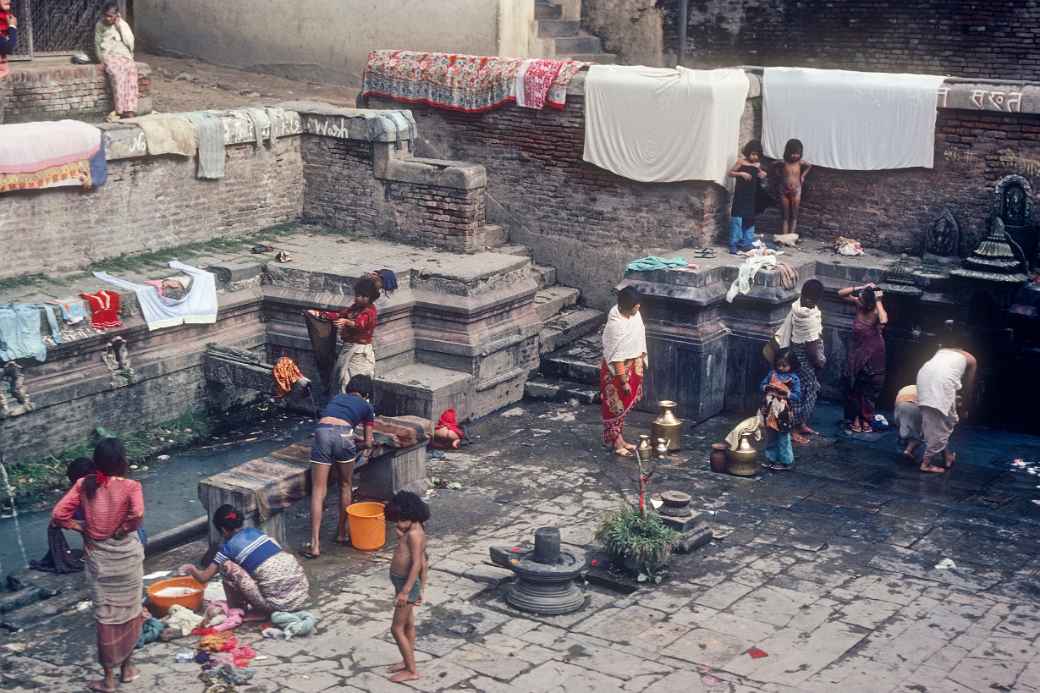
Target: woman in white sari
(802,333)
(621,372)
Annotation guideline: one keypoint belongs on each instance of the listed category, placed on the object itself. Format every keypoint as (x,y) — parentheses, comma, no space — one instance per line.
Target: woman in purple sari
(866,363)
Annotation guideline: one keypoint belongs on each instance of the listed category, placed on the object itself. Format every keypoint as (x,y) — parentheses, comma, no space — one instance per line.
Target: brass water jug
(743,461)
(645,449)
(667,426)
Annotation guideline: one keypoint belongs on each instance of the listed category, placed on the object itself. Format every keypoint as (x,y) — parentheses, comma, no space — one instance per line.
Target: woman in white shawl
(802,332)
(621,372)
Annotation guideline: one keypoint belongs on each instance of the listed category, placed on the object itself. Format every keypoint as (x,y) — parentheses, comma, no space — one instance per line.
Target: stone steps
(569,326)
(554,28)
(422,390)
(578,361)
(554,390)
(544,275)
(550,301)
(569,40)
(519,250)
(495,236)
(597,58)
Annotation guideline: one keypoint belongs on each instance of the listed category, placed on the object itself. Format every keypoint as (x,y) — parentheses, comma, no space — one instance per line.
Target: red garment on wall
(104,309)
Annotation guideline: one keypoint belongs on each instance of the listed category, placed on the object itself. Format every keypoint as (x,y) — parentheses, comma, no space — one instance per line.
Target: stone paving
(830,570)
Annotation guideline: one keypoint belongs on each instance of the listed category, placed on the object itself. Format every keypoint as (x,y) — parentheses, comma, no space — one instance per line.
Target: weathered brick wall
(71,91)
(966,38)
(342,191)
(148,204)
(585,221)
(893,209)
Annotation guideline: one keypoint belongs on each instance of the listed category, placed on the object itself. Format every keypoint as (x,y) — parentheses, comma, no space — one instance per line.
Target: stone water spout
(545,574)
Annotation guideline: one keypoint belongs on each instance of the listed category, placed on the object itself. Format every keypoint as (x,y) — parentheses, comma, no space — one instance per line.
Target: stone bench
(264,487)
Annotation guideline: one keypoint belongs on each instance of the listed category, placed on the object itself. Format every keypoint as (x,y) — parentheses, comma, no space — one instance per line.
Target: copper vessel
(743,460)
(717,460)
(667,426)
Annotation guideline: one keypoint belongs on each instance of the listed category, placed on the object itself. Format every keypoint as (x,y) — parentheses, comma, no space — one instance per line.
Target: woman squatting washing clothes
(113,509)
(259,577)
(621,372)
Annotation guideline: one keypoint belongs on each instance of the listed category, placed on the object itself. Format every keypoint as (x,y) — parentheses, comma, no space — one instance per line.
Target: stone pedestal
(391,470)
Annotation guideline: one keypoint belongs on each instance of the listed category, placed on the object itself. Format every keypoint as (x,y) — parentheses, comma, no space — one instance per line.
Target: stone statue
(944,237)
(1013,203)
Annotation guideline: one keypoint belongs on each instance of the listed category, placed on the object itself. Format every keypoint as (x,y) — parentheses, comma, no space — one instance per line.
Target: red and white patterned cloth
(533,81)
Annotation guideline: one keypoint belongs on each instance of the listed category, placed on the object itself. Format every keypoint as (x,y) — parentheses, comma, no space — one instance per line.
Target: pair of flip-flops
(705,253)
(307,553)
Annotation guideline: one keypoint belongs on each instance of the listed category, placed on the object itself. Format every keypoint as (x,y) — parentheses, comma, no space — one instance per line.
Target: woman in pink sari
(114,43)
(621,372)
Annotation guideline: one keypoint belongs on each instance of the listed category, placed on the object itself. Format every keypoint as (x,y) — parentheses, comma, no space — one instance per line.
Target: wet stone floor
(829,570)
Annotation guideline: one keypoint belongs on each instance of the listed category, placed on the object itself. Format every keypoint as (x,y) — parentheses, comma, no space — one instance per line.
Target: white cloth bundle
(801,326)
(662,124)
(746,274)
(856,121)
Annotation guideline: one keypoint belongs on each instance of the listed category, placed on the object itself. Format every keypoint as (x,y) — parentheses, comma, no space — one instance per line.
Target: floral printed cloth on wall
(469,83)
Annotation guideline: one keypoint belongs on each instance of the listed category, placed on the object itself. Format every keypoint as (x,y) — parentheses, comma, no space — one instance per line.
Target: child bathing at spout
(408,576)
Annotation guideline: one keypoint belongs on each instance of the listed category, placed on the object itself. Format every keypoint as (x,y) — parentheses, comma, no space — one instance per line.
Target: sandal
(623,452)
(306,552)
(704,253)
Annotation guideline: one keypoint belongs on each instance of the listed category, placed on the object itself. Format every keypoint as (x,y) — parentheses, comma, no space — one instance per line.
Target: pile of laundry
(755,260)
(468,83)
(223,657)
(849,247)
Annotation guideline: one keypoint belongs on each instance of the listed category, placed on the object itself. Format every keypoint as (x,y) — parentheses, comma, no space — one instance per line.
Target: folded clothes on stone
(651,263)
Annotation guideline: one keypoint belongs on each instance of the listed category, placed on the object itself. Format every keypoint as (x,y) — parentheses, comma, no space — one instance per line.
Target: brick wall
(585,221)
(342,191)
(893,209)
(966,38)
(148,204)
(71,91)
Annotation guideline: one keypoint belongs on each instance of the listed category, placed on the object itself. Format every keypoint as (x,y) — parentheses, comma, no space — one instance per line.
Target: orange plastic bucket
(191,601)
(367,526)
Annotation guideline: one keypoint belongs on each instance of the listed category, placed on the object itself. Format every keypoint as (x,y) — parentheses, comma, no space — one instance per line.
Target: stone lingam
(545,574)
(675,512)
(995,259)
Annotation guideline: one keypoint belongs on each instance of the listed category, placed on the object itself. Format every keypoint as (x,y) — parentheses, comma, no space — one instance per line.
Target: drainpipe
(683,28)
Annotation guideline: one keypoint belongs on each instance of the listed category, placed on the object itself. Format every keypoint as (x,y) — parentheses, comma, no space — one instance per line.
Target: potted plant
(637,540)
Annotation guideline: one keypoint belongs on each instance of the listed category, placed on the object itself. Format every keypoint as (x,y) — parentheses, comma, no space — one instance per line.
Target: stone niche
(1013,204)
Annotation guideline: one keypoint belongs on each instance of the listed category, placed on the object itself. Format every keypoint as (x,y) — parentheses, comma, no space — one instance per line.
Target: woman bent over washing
(113,509)
(334,445)
(258,576)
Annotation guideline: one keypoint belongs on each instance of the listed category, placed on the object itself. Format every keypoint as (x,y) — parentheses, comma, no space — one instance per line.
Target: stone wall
(150,203)
(348,187)
(965,38)
(68,91)
(586,222)
(630,28)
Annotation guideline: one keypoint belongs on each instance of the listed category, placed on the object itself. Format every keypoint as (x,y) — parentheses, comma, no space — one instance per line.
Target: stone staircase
(559,28)
(427,389)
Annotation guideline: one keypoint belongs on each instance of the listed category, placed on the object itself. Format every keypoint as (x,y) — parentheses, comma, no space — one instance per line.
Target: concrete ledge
(435,172)
(365,124)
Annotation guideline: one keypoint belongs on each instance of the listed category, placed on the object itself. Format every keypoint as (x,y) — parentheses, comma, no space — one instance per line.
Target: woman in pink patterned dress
(114,43)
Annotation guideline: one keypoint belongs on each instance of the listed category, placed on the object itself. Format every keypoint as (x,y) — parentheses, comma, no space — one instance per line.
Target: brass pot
(661,449)
(645,449)
(667,426)
(743,461)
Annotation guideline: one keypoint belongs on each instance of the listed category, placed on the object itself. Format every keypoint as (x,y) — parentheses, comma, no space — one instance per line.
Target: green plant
(639,541)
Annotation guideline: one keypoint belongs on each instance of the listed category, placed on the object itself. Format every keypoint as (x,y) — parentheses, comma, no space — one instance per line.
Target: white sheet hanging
(199,305)
(660,124)
(856,121)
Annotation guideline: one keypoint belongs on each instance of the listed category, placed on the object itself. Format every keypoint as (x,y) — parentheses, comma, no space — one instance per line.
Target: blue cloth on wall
(20,335)
(99,166)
